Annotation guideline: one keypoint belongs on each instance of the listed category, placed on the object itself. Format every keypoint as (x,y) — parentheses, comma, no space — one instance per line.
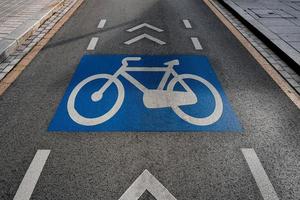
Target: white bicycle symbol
(158,98)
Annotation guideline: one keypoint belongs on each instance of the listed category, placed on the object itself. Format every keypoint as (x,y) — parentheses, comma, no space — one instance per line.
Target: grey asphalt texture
(198,165)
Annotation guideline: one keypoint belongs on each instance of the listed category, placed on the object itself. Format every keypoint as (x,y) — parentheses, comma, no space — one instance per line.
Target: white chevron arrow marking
(145,25)
(140,37)
(146,181)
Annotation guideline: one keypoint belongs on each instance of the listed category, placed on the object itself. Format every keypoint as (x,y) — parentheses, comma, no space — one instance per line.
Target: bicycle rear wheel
(199,121)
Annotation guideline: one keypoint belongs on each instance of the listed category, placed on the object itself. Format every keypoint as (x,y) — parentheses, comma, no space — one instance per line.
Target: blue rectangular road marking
(141,93)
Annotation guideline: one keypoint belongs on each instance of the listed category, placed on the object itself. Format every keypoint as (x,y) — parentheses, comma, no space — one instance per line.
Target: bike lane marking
(92,44)
(32,175)
(143,93)
(101,23)
(262,180)
(144,36)
(146,181)
(187,24)
(145,25)
(196,43)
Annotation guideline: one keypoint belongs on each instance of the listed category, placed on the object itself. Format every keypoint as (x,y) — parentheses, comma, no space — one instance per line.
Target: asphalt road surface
(191,165)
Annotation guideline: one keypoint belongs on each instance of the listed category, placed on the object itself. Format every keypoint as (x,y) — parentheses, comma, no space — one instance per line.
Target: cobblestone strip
(281,67)
(13,59)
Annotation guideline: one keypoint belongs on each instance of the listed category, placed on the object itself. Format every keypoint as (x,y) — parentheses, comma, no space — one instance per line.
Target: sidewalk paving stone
(277,20)
(21,50)
(282,67)
(19,18)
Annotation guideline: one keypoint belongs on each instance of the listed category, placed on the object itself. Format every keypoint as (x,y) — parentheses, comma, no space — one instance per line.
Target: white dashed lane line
(32,175)
(262,180)
(196,43)
(92,44)
(187,23)
(102,23)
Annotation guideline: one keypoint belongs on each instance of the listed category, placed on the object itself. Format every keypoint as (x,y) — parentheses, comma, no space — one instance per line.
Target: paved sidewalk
(19,18)
(277,20)
(274,60)
(22,50)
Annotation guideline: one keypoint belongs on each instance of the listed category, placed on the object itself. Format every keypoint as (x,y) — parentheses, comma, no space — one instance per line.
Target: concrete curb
(288,54)
(13,69)
(18,36)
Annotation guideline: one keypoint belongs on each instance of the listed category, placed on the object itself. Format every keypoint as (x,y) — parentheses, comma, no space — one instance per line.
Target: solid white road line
(196,43)
(93,43)
(265,186)
(32,175)
(187,23)
(102,23)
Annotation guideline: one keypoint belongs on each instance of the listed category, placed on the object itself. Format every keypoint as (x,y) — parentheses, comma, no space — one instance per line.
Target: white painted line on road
(140,37)
(93,43)
(196,43)
(32,175)
(102,23)
(262,180)
(146,181)
(187,23)
(145,25)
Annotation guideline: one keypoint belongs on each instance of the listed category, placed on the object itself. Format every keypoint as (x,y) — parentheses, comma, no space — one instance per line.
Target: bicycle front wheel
(85,121)
(199,121)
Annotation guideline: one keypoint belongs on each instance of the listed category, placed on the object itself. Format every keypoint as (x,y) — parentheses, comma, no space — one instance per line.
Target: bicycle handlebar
(125,60)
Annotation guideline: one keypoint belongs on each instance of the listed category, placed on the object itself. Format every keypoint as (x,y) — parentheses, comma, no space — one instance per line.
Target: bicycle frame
(157,98)
(124,69)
